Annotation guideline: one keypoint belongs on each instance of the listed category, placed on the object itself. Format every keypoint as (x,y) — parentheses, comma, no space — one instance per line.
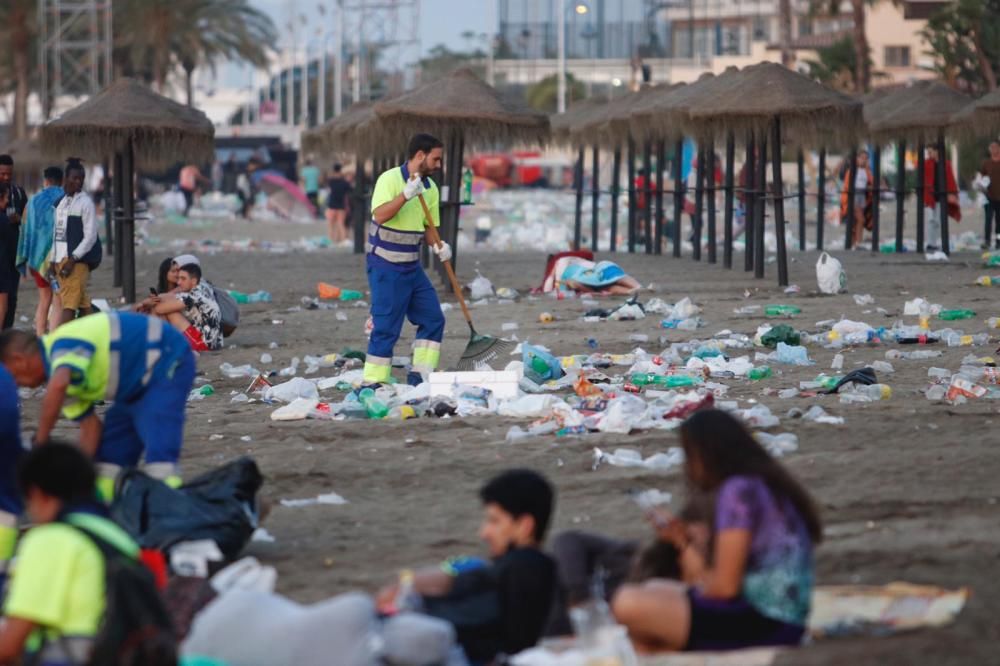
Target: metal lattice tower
(74,48)
(382,35)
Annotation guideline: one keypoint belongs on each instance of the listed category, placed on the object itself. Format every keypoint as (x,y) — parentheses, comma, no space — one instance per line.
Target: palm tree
(863,75)
(159,35)
(17,31)
(222,29)
(785,25)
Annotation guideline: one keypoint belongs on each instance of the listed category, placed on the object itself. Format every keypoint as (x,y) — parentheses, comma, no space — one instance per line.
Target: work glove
(443,251)
(413,188)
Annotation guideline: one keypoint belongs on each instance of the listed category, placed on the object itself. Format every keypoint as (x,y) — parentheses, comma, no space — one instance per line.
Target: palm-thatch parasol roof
(27,155)
(749,100)
(563,125)
(921,112)
(162,131)
(981,118)
(611,128)
(354,130)
(459,102)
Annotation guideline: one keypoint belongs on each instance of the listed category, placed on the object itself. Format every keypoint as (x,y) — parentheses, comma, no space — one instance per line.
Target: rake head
(483,349)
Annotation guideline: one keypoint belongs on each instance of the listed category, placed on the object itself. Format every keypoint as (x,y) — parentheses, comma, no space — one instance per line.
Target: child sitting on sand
(503,607)
(756,587)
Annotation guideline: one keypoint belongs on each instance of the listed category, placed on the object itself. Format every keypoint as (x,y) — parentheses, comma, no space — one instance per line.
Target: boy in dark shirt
(501,608)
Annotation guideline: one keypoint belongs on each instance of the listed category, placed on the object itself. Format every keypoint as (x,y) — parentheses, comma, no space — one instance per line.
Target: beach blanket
(837,610)
(596,275)
(34,247)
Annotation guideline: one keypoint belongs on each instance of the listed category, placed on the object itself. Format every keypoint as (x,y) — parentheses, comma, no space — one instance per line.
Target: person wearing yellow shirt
(56,597)
(399,287)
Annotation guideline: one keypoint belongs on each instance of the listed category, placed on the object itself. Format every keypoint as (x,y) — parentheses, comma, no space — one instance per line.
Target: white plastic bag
(292,389)
(830,275)
(480,287)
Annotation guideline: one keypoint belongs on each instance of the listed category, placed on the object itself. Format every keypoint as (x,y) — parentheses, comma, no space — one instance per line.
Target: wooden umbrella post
(900,192)
(727,222)
(127,237)
(595,198)
(359,212)
(852,174)
(876,195)
(647,211)
(749,201)
(921,187)
(678,195)
(616,172)
(578,211)
(109,240)
(630,170)
(710,195)
(760,223)
(779,203)
(699,205)
(801,163)
(941,191)
(117,190)
(661,160)
(821,200)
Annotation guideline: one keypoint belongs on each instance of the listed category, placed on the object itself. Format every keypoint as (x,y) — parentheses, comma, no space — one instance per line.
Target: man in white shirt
(76,247)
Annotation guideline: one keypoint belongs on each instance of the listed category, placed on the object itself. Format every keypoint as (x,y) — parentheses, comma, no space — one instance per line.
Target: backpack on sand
(136,629)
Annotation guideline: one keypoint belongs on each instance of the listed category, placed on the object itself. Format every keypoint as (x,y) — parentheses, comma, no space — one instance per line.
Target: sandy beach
(908,487)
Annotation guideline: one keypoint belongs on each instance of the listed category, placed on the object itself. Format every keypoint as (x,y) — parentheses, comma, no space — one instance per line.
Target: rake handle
(435,239)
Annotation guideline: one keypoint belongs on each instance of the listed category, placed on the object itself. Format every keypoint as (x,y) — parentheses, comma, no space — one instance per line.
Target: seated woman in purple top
(755,587)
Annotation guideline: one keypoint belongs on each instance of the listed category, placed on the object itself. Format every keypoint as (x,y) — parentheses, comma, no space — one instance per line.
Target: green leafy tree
(18,32)
(964,39)
(441,60)
(836,65)
(544,95)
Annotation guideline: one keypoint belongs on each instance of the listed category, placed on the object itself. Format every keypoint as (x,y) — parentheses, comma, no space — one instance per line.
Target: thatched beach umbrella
(136,125)
(981,118)
(924,113)
(566,130)
(461,109)
(353,131)
(768,98)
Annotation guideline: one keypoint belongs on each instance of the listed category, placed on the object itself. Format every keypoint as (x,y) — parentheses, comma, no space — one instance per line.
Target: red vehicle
(517,168)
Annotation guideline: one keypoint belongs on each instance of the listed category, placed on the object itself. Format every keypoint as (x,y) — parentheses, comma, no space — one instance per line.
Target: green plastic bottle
(826,381)
(207,390)
(782,310)
(953,315)
(756,374)
(375,408)
(350,295)
(669,381)
(467,185)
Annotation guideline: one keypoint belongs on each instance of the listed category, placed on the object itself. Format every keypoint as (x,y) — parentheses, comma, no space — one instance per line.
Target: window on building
(897,56)
(761,29)
(805,27)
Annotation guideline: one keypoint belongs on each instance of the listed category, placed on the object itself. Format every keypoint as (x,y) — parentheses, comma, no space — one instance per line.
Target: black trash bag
(220,505)
(863,376)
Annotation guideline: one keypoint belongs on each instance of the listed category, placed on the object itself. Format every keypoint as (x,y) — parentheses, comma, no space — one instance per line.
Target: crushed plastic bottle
(265,358)
(638,337)
(756,374)
(782,333)
(956,340)
(791,354)
(870,393)
(782,310)
(669,381)
(838,362)
(375,408)
(256,297)
(539,365)
(954,315)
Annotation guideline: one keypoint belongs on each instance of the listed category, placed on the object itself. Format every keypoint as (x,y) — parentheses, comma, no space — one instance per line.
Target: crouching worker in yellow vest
(144,367)
(399,287)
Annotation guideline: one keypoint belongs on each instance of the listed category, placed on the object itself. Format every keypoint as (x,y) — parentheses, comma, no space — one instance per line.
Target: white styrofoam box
(502,383)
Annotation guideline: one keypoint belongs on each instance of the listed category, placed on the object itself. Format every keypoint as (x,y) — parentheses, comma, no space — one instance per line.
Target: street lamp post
(580,9)
(338,64)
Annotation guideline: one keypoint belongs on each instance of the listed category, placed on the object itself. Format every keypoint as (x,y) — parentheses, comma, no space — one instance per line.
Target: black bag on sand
(220,505)
(136,630)
(229,310)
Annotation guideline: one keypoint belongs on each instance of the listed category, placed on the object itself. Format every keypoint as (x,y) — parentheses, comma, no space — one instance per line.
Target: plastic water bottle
(782,310)
(956,340)
(993,322)
(375,408)
(669,381)
(407,598)
(954,315)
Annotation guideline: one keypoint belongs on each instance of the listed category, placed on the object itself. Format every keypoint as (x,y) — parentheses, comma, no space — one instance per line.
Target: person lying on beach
(756,588)
(192,309)
(500,608)
(603,278)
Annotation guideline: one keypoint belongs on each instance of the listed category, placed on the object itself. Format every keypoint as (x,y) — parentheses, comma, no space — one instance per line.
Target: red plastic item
(157,565)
